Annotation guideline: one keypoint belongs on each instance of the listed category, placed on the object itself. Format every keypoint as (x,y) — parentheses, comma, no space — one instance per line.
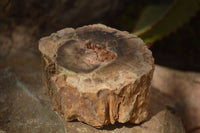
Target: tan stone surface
(184,90)
(98,75)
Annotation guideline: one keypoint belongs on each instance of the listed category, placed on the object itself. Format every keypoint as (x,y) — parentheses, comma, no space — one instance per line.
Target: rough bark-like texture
(163,122)
(97,74)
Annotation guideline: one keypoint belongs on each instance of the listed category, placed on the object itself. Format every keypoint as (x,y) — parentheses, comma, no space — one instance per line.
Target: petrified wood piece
(98,75)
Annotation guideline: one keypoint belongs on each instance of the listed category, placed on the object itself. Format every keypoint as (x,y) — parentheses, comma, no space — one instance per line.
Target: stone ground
(25,106)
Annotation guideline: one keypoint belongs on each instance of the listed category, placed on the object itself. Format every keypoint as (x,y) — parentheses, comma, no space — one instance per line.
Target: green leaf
(150,15)
(157,22)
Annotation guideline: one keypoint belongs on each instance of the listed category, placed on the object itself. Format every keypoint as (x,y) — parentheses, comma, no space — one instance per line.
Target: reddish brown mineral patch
(98,53)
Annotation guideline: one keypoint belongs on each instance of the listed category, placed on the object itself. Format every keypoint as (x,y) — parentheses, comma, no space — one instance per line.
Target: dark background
(179,50)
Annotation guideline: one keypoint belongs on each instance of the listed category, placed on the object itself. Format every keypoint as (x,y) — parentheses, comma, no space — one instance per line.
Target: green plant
(157,22)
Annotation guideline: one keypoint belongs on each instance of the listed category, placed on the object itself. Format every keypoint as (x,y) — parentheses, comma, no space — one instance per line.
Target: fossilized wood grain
(98,75)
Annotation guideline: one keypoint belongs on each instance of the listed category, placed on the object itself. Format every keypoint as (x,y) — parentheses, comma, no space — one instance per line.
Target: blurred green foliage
(159,21)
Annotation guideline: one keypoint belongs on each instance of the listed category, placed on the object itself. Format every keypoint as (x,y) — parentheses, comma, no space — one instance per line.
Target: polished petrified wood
(97,74)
